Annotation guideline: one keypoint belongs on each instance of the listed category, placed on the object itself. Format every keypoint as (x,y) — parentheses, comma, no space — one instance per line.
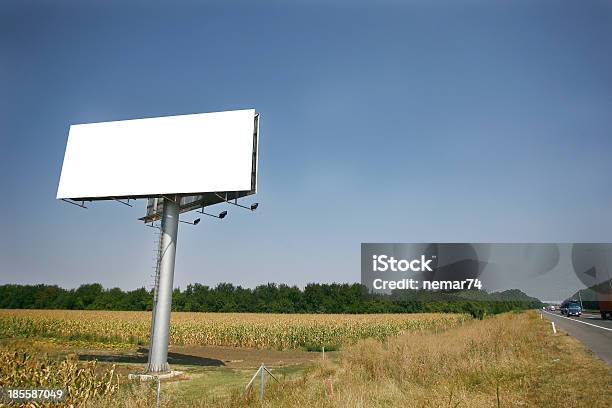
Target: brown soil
(235,357)
(209,356)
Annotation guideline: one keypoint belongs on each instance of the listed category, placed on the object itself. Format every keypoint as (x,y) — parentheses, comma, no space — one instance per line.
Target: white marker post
(262,385)
(554,328)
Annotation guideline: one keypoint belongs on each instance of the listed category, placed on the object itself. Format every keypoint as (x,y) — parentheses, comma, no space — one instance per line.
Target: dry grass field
(510,360)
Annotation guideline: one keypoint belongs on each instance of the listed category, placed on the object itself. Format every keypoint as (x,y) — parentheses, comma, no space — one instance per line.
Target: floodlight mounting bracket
(124,202)
(235,202)
(69,201)
(220,216)
(170,199)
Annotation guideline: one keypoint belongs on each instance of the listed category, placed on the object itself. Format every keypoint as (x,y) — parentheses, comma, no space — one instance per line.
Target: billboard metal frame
(104,161)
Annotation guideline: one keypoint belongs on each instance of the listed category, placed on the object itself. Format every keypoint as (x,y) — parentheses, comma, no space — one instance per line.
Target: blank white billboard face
(207,152)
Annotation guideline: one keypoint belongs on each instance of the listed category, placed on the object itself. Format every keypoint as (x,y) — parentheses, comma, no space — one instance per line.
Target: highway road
(590,329)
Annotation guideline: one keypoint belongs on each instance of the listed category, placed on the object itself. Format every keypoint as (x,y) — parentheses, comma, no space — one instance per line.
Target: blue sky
(413,121)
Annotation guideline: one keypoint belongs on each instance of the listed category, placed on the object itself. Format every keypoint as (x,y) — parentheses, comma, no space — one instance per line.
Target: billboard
(185,154)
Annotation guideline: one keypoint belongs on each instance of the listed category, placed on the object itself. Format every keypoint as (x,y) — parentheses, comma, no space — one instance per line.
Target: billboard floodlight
(194,222)
(221,215)
(149,162)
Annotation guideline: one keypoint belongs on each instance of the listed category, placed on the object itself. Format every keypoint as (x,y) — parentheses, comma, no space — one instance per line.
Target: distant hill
(513,294)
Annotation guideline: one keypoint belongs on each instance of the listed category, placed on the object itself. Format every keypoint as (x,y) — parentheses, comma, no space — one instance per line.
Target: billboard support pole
(158,345)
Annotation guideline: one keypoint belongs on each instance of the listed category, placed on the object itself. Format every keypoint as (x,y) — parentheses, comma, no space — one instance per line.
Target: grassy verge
(511,360)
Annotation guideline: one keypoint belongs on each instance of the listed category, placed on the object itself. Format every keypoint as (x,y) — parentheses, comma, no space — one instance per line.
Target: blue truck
(571,308)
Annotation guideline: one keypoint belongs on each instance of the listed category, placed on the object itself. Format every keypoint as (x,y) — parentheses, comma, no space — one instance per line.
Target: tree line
(270,298)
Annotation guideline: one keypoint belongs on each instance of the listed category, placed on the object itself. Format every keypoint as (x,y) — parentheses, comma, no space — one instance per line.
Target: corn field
(81,382)
(277,331)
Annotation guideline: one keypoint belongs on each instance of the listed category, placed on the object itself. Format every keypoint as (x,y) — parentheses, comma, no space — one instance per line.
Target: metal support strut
(158,345)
